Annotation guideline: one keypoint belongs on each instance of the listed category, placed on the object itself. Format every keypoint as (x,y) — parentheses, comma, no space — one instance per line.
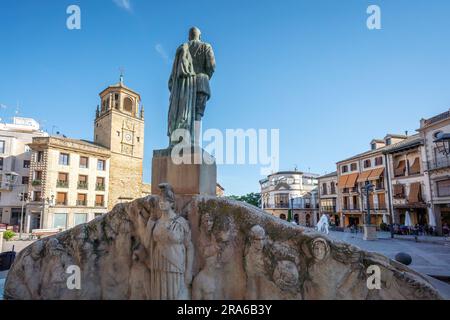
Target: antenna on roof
(406,133)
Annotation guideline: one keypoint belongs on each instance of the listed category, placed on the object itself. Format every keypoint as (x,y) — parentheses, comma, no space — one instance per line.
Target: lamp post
(370,231)
(442,143)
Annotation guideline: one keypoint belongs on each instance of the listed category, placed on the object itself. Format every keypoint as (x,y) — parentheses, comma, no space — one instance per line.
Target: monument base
(193,177)
(370,232)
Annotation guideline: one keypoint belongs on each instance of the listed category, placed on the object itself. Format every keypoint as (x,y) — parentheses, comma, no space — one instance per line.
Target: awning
(414,193)
(342,181)
(364,175)
(375,174)
(351,181)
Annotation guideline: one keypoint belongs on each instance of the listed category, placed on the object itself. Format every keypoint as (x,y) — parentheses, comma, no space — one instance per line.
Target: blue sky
(309,68)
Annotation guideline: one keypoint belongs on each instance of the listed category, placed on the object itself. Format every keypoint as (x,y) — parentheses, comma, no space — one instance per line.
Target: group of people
(417,230)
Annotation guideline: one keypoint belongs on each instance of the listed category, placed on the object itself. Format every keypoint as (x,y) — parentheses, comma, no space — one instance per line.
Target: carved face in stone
(285,275)
(207,222)
(320,249)
(165,205)
(257,237)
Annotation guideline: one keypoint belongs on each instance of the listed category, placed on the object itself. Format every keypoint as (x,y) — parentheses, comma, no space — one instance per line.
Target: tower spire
(121,75)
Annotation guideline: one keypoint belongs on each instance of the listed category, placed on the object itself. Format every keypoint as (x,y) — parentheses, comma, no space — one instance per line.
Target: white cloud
(124,4)
(162,52)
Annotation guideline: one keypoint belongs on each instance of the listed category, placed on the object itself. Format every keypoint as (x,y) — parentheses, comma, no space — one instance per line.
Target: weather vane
(122,70)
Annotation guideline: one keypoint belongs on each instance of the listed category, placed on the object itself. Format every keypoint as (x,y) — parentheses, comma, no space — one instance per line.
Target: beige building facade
(328,198)
(68,184)
(354,173)
(409,188)
(437,168)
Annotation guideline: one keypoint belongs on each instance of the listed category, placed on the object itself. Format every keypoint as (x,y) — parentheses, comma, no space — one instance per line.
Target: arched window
(308,220)
(128,105)
(283,216)
(435,135)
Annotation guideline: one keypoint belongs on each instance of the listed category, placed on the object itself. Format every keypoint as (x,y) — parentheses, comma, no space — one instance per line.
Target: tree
(252,198)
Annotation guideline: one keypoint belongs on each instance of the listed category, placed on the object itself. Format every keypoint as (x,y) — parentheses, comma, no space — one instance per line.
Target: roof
(121,86)
(68,143)
(372,152)
(400,136)
(329,175)
(410,142)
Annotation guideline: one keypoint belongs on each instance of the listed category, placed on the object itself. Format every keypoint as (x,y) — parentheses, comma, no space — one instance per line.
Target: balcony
(82,185)
(329,209)
(439,163)
(62,184)
(36,182)
(61,203)
(81,203)
(6,186)
(99,204)
(100,187)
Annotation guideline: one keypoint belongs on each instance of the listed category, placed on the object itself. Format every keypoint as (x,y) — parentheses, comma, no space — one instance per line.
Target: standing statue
(171,252)
(192,69)
(322,225)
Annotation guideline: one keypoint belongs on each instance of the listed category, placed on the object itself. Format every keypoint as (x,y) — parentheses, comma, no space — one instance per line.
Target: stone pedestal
(370,232)
(193,177)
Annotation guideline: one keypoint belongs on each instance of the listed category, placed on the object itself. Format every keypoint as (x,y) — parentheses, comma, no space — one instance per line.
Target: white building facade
(15,157)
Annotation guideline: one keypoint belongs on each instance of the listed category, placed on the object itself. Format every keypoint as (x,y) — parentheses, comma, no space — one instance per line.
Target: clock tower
(119,126)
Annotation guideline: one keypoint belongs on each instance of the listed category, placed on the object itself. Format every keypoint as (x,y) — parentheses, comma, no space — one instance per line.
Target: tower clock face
(128,137)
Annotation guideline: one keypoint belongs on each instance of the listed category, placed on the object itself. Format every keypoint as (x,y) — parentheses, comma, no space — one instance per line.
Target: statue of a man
(192,69)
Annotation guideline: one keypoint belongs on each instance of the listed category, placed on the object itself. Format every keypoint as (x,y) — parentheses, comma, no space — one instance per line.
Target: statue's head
(194,33)
(167,201)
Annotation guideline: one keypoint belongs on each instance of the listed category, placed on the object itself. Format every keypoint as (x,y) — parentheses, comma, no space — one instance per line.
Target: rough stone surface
(240,253)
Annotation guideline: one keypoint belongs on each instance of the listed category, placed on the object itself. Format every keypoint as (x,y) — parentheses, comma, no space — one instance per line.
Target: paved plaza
(428,258)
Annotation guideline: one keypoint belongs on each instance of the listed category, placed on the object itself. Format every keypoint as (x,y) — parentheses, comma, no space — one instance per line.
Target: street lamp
(442,143)
(370,231)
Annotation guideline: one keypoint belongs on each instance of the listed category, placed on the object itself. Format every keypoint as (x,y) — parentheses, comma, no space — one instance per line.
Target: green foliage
(250,198)
(8,235)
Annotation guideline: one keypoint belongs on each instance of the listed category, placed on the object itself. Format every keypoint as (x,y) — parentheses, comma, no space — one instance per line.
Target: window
(138,139)
(388,141)
(98,214)
(37,196)
(63,180)
(27,149)
(100,184)
(60,220)
(400,169)
(82,199)
(381,201)
(443,188)
(333,188)
(99,200)
(84,162)
(26,163)
(435,135)
(379,161)
(128,105)
(399,191)
(367,163)
(1,163)
(64,159)
(2,146)
(61,198)
(37,178)
(25,180)
(324,188)
(82,182)
(40,156)
(79,218)
(101,164)
(353,166)
(374,146)
(344,169)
